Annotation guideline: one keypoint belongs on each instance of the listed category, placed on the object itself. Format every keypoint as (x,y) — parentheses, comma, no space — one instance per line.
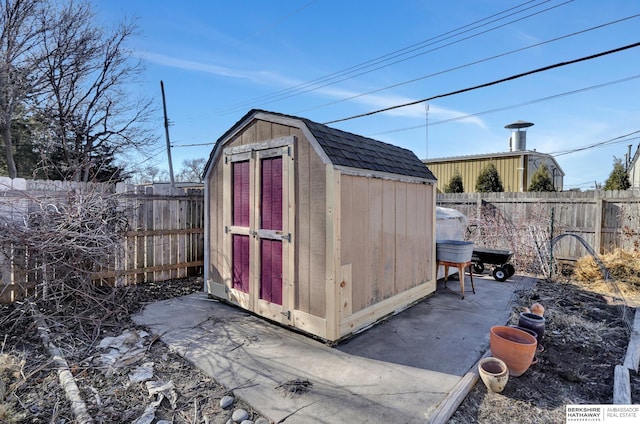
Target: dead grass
(622,265)
(11,375)
(499,408)
(624,271)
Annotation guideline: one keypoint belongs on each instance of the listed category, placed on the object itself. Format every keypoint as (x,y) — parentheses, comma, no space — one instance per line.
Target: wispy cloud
(258,77)
(269,78)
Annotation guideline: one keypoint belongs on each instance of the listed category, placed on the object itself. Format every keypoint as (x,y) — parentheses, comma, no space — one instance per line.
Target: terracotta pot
(515,347)
(494,373)
(533,322)
(526,330)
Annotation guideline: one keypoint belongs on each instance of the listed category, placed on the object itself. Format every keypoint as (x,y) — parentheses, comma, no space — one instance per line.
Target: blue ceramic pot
(533,322)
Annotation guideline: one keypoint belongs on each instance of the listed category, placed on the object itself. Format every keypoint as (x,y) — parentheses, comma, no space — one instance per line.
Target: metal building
(515,167)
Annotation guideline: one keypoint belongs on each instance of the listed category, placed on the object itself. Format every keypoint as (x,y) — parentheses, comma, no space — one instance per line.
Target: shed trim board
(263,187)
(357,172)
(296,123)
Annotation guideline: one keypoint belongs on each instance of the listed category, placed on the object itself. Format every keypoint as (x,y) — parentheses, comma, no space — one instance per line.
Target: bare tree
(20,57)
(92,116)
(192,170)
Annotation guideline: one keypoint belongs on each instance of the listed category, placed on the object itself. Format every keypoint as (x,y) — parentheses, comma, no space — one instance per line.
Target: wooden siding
(386,239)
(311,221)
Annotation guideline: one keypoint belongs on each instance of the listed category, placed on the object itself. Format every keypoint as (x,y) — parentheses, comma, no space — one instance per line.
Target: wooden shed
(316,228)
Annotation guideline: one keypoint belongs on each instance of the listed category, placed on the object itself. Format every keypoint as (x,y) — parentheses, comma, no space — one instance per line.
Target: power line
(317,87)
(614,140)
(471,63)
(193,145)
(488,84)
(314,84)
(513,106)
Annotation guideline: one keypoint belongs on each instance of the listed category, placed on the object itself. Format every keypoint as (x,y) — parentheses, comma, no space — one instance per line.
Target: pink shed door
(241,218)
(271,223)
(261,245)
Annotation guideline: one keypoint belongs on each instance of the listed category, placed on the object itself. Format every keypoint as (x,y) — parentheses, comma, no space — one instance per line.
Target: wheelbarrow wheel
(499,274)
(478,267)
(509,269)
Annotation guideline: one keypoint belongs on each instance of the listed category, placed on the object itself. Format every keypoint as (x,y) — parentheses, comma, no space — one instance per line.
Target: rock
(239,415)
(226,402)
(247,422)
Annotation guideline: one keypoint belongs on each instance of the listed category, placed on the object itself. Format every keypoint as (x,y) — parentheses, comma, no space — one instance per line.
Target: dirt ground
(32,393)
(586,336)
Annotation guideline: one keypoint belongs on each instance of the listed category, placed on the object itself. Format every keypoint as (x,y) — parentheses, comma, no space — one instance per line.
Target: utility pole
(166,131)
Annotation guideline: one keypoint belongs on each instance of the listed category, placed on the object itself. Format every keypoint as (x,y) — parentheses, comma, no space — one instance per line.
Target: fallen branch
(65,377)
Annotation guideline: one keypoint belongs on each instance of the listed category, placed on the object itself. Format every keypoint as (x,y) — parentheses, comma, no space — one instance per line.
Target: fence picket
(605,219)
(164,239)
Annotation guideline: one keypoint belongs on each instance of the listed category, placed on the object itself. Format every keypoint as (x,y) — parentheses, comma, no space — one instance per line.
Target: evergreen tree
(489,180)
(455,184)
(24,131)
(541,180)
(618,179)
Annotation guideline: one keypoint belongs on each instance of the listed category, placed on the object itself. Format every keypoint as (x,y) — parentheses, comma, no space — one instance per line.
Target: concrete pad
(442,333)
(397,371)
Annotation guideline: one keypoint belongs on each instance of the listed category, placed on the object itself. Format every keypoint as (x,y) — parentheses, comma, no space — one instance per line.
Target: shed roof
(350,150)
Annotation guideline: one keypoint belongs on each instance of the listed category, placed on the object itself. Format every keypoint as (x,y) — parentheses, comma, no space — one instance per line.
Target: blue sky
(331,59)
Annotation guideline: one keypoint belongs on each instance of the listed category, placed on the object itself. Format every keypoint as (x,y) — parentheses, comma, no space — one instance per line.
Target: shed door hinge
(226,229)
(287,314)
(287,237)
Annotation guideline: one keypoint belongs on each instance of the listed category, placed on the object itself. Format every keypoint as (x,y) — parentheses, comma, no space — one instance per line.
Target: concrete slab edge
(632,358)
(450,404)
(621,375)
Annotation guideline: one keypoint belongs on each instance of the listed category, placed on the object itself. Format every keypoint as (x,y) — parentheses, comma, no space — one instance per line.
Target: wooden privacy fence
(605,220)
(163,237)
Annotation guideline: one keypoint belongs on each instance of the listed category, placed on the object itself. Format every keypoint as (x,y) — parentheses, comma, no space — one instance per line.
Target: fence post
(553,217)
(597,236)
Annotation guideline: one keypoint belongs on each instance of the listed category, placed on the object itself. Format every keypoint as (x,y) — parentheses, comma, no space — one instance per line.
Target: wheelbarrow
(499,258)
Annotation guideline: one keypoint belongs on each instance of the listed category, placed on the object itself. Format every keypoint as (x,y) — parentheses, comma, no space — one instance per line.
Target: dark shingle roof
(355,151)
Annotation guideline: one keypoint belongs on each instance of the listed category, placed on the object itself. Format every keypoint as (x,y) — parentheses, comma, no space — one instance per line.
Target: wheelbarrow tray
(492,256)
(500,258)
